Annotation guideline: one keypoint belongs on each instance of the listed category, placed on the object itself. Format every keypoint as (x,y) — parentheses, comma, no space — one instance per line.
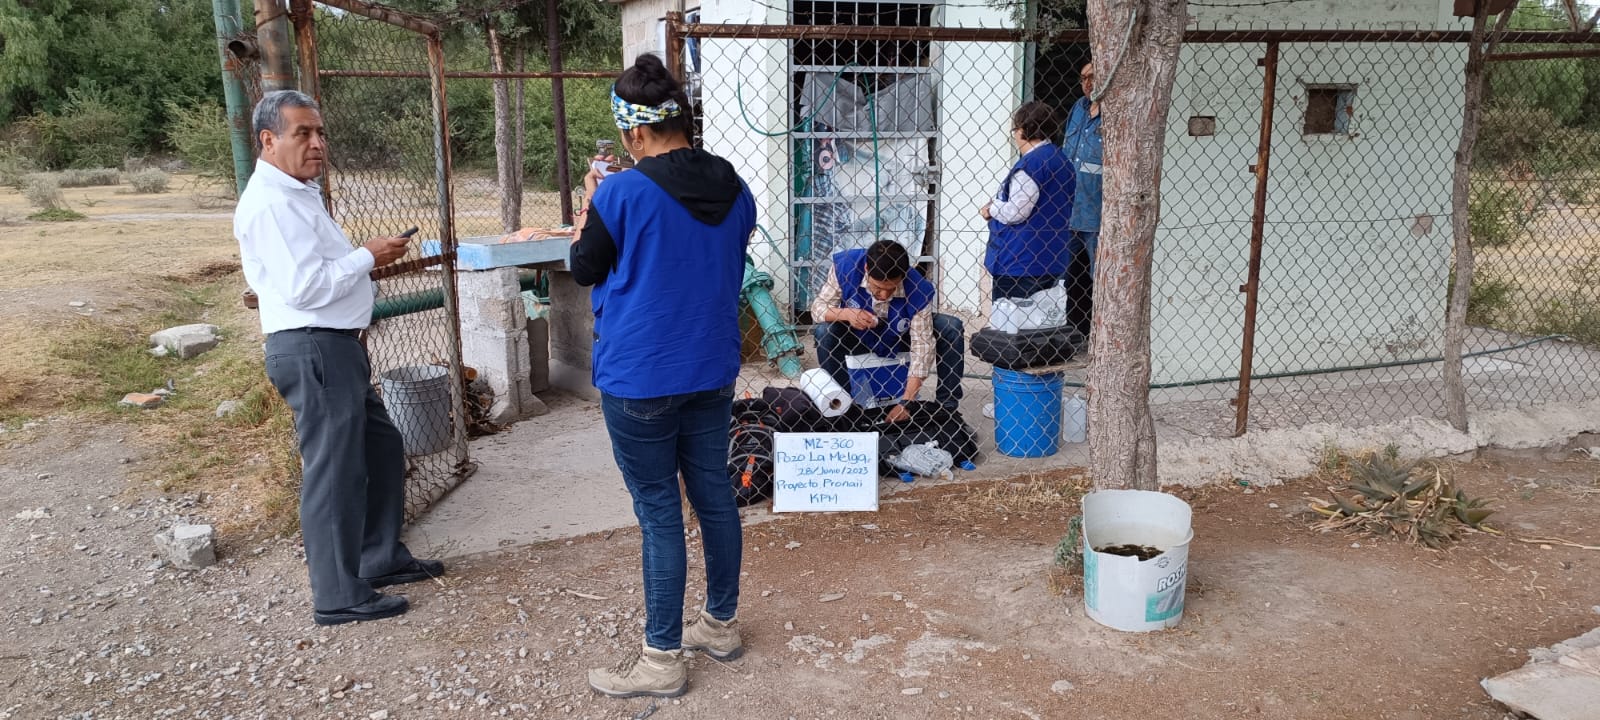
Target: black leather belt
(352,332)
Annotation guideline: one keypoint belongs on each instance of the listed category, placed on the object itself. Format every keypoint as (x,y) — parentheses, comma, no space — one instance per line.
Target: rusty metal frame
(311,76)
(709,31)
(477,75)
(1258,226)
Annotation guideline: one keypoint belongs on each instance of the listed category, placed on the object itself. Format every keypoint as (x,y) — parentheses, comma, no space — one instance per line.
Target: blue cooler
(877,381)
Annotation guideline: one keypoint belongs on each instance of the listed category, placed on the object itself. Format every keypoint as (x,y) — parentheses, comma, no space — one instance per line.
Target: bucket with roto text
(1135,558)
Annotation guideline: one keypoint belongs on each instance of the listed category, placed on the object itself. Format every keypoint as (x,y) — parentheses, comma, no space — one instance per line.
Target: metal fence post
(447,240)
(1258,221)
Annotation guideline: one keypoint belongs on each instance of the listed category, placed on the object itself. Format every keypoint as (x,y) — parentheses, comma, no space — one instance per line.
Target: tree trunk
(1136,44)
(504,154)
(1455,324)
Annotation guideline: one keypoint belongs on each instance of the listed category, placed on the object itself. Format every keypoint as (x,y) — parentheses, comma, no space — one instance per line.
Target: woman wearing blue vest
(663,245)
(1083,149)
(1028,236)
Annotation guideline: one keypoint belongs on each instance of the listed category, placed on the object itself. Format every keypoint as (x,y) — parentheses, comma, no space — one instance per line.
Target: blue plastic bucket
(1027,413)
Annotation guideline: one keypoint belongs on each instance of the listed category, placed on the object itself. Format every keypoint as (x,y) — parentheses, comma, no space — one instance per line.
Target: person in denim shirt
(1083,149)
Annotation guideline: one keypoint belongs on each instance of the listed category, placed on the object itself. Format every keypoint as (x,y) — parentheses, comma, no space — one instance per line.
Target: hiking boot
(716,638)
(646,671)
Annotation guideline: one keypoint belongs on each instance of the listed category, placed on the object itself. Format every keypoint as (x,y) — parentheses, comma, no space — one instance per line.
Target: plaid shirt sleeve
(922,343)
(827,298)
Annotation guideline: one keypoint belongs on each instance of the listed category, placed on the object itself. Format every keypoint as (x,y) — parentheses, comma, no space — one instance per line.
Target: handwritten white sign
(825,472)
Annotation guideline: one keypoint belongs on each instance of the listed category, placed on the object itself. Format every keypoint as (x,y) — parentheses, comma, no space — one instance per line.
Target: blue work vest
(850,267)
(1084,148)
(1037,246)
(666,318)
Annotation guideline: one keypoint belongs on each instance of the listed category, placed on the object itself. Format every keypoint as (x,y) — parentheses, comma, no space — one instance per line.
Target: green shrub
(1499,213)
(93,129)
(1577,314)
(90,177)
(43,190)
(199,134)
(1489,303)
(149,180)
(14,165)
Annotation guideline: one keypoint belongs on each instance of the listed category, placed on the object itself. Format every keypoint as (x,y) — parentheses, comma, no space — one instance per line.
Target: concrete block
(187,341)
(1548,691)
(502,361)
(189,547)
(571,322)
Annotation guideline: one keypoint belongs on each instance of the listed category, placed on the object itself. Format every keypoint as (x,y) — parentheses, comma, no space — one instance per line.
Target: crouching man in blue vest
(875,301)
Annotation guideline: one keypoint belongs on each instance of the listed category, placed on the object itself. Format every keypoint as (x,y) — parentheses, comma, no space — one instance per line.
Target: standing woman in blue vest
(663,245)
(1029,243)
(1083,148)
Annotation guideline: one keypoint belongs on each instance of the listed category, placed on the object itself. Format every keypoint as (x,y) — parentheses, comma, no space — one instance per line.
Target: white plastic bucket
(1124,592)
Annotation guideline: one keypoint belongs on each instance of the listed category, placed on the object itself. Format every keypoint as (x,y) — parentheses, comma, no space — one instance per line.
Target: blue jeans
(654,441)
(1091,243)
(836,340)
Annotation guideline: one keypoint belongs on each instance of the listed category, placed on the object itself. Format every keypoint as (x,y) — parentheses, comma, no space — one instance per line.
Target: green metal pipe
(423,301)
(777,336)
(225,13)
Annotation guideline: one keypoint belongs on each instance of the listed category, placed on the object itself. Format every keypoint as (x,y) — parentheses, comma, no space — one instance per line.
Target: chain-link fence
(855,125)
(386,176)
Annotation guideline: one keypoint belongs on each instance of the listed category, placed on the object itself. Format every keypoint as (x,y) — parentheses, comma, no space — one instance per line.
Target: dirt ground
(948,608)
(943,604)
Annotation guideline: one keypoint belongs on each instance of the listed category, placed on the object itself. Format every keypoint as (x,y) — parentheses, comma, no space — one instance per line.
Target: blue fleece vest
(885,340)
(666,319)
(1038,245)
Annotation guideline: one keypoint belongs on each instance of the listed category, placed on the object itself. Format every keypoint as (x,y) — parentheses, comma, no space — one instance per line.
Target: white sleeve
(1024,197)
(294,271)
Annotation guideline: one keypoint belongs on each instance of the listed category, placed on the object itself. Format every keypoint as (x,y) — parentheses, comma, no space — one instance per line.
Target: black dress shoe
(410,573)
(379,607)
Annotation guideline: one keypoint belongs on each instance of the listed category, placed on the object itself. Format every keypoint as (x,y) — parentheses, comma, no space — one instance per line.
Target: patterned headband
(629,115)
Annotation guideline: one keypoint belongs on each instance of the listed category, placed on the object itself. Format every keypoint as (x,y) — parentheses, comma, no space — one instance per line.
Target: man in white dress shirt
(315,299)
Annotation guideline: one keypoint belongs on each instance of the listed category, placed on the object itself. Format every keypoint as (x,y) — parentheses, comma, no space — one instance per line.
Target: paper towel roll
(830,399)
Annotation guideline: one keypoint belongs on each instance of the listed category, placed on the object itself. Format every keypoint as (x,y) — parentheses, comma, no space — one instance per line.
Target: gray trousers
(352,498)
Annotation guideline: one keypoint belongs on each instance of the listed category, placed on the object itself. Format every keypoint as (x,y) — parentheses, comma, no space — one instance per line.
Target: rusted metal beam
(383,14)
(1544,55)
(303,16)
(674,50)
(886,33)
(1258,224)
(447,244)
(412,265)
(474,75)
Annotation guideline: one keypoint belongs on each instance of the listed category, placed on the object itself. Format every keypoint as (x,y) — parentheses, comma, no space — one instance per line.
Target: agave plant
(1408,499)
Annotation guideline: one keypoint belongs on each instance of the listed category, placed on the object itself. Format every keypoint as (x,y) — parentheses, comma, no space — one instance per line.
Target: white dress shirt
(299,263)
(1024,195)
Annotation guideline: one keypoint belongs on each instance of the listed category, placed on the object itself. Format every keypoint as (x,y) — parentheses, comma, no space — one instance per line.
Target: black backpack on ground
(930,422)
(750,467)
